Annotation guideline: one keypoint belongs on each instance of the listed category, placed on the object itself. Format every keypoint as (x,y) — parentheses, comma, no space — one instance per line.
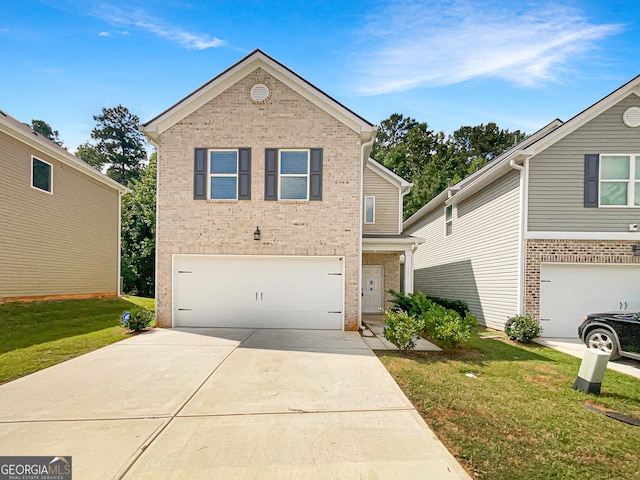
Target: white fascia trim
(633,236)
(585,116)
(204,94)
(60,154)
(413,222)
(389,176)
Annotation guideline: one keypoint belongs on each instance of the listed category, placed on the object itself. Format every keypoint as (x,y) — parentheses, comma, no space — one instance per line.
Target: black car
(617,333)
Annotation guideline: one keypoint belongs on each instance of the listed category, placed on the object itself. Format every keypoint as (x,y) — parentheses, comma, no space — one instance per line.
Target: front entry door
(372,288)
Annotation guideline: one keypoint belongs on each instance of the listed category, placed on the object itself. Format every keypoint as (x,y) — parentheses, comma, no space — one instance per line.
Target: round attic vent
(259,92)
(631,117)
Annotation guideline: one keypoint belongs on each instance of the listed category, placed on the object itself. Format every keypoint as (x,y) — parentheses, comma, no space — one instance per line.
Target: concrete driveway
(224,403)
(575,347)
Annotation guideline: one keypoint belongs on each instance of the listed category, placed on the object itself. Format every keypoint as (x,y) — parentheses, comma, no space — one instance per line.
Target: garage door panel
(569,292)
(258,292)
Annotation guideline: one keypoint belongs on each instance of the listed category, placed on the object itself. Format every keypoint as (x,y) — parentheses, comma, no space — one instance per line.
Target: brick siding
(568,251)
(286,120)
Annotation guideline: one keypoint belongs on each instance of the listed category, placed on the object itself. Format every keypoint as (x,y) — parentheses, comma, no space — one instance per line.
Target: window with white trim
(294,175)
(619,181)
(41,175)
(223,174)
(369,209)
(448,220)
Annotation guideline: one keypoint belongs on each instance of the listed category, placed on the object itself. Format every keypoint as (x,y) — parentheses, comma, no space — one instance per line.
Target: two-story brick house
(261,215)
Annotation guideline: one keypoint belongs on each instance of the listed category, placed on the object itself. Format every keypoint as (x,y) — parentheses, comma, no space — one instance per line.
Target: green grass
(36,335)
(519,418)
(144,302)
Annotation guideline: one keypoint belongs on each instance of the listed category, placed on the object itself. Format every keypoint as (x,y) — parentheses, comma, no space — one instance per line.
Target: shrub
(445,327)
(456,305)
(522,328)
(401,329)
(139,319)
(413,304)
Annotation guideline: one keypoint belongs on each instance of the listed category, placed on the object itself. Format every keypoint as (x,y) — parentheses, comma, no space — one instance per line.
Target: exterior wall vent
(631,117)
(260,93)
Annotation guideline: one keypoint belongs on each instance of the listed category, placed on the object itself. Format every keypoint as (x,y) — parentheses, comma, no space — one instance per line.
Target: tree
(480,144)
(138,233)
(43,128)
(392,132)
(431,160)
(119,145)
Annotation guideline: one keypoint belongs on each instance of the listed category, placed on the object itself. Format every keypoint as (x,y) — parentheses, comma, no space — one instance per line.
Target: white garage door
(569,292)
(258,291)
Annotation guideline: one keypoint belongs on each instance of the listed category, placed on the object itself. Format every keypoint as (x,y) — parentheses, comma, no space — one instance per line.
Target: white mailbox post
(592,368)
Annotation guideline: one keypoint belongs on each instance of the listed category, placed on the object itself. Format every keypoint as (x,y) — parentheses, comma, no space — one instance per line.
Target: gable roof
(18,130)
(530,146)
(389,176)
(256,59)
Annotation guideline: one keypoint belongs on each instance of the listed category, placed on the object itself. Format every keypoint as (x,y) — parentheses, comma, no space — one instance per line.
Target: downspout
(515,166)
(119,289)
(363,148)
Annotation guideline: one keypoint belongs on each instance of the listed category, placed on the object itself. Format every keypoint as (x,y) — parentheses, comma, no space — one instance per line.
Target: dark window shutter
(244,174)
(315,174)
(200,174)
(271,174)
(591,161)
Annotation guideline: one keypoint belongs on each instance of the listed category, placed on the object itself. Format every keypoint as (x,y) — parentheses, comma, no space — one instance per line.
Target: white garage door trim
(570,291)
(261,291)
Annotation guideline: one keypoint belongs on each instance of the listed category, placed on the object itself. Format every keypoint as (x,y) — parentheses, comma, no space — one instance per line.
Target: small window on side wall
(41,175)
(448,220)
(369,209)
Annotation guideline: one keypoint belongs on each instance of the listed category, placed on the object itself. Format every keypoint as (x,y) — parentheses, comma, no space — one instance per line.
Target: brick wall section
(285,120)
(391,269)
(568,251)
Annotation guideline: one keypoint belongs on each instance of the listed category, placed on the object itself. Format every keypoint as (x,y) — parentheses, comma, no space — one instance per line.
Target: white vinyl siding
(556,176)
(479,264)
(387,204)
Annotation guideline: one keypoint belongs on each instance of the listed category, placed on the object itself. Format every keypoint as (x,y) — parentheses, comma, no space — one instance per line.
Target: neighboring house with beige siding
(548,229)
(262,180)
(60,235)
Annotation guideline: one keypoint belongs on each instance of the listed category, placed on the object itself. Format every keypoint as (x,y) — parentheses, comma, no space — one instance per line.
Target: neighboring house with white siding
(270,212)
(60,234)
(548,229)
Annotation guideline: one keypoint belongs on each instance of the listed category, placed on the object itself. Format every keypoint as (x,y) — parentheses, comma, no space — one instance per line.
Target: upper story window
(223,174)
(448,220)
(294,175)
(41,175)
(619,180)
(369,209)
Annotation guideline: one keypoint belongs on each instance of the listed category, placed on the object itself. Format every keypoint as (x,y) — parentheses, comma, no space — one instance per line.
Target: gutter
(521,218)
(363,159)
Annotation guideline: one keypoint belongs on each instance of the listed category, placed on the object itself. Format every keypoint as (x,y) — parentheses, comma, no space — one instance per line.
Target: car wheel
(603,339)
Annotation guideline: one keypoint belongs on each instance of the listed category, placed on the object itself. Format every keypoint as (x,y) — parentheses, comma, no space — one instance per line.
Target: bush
(522,329)
(139,319)
(456,305)
(432,321)
(445,327)
(401,329)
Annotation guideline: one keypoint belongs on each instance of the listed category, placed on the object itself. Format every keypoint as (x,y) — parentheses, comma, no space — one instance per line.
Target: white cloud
(138,19)
(104,34)
(414,44)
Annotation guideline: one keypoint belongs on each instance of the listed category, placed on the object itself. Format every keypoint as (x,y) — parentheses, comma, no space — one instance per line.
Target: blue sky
(449,63)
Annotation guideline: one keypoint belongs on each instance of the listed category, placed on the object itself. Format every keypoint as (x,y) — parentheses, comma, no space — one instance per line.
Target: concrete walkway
(575,347)
(224,403)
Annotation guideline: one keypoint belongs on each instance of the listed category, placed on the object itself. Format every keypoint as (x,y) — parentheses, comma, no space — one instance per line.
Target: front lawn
(508,412)
(36,335)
